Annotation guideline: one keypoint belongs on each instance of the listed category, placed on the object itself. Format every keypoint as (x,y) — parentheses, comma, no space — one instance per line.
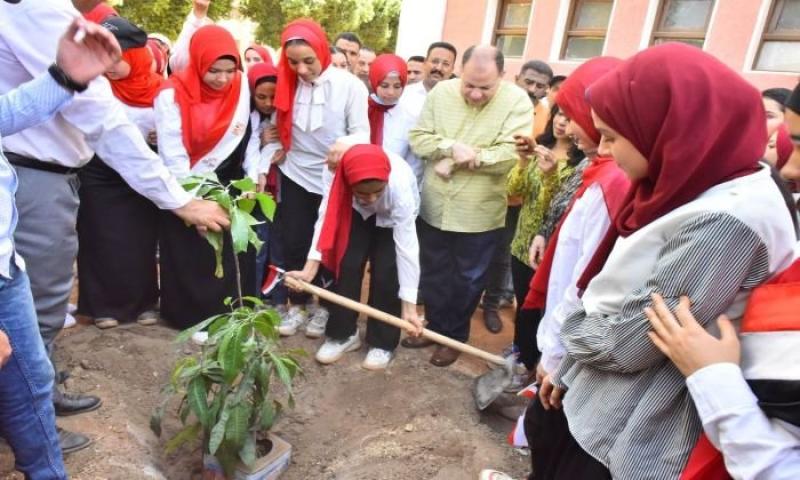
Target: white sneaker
(69,321)
(332,350)
(72,308)
(200,338)
(317,322)
(493,475)
(294,319)
(377,359)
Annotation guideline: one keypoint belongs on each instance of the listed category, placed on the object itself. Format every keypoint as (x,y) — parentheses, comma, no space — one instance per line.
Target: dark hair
(548,139)
(445,45)
(367,49)
(296,41)
(348,36)
(780,95)
(416,58)
(499,59)
(557,80)
(267,79)
(537,66)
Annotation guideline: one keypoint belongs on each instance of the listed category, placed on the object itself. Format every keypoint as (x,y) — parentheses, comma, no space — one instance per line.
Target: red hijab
(259,71)
(380,68)
(603,171)
(359,163)
(206,113)
(261,51)
(783,146)
(158,55)
(141,86)
(652,100)
(310,32)
(100,13)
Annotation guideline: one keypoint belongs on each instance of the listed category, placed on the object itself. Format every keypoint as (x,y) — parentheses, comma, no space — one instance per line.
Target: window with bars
(780,43)
(511,29)
(587,26)
(683,21)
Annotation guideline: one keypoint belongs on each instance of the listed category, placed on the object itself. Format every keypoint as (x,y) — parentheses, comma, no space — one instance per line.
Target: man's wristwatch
(64,80)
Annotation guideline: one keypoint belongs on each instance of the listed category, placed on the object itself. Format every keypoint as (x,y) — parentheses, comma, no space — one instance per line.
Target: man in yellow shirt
(465,135)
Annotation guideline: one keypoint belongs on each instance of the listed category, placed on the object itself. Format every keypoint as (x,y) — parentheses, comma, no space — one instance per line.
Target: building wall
(733,36)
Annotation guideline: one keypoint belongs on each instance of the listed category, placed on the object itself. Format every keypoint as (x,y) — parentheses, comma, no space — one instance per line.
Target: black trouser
(454,267)
(296,216)
(555,455)
(499,278)
(376,244)
(526,322)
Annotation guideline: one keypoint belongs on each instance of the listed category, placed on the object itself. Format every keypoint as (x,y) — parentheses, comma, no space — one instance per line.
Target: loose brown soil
(414,421)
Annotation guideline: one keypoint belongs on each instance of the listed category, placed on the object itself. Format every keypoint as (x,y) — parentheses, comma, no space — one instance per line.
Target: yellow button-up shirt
(471,201)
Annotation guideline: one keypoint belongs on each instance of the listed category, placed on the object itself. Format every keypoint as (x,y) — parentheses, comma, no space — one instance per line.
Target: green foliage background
(375,21)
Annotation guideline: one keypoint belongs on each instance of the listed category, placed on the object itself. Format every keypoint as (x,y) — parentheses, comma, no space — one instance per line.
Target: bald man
(467,155)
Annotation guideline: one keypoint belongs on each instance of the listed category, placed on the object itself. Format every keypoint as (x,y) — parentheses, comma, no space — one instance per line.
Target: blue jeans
(27,417)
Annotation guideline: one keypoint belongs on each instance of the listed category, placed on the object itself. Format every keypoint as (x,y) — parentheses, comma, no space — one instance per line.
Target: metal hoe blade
(491,384)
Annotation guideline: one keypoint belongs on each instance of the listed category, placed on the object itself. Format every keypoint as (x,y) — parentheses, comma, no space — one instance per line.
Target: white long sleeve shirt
(93,122)
(397,208)
(333,108)
(179,55)
(258,159)
(754,446)
(582,231)
(397,122)
(170,135)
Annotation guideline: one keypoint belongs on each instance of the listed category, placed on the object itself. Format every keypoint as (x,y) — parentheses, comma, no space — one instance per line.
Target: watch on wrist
(64,80)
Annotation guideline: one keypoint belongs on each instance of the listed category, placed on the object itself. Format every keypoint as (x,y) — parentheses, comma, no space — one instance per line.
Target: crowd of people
(637,214)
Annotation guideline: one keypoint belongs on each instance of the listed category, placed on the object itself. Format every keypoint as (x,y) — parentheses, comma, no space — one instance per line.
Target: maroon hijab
(697,122)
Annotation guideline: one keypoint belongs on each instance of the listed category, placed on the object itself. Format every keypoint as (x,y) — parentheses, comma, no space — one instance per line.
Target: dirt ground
(414,421)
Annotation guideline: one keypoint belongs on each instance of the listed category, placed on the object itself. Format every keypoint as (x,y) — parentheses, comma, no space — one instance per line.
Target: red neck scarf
(380,68)
(100,13)
(603,171)
(651,100)
(359,163)
(261,51)
(206,113)
(310,32)
(140,87)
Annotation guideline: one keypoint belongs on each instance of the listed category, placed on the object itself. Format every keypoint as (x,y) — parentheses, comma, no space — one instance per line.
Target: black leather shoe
(72,441)
(492,320)
(72,404)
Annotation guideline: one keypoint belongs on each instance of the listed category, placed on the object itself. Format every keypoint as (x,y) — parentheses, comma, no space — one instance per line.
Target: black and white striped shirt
(627,405)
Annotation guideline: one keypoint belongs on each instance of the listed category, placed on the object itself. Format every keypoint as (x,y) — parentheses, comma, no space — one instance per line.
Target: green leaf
(246,204)
(248,452)
(240,230)
(245,184)
(223,198)
(267,414)
(180,366)
(217,241)
(267,205)
(245,387)
(218,432)
(253,239)
(197,400)
(230,353)
(188,433)
(283,372)
(187,334)
(238,424)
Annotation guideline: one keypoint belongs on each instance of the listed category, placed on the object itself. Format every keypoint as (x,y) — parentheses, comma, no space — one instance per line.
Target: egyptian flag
(517,438)
(770,339)
(274,277)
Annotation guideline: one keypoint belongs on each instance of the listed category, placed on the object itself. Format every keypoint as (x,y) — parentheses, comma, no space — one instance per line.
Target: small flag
(274,277)
(529,392)
(516,437)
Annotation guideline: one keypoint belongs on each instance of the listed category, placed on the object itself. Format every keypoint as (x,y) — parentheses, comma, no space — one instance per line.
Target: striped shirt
(627,404)
(471,201)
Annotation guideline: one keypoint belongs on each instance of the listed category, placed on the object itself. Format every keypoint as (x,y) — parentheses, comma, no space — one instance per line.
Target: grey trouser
(46,238)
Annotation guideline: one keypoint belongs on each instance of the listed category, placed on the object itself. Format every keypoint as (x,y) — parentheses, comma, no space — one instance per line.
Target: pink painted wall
(728,38)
